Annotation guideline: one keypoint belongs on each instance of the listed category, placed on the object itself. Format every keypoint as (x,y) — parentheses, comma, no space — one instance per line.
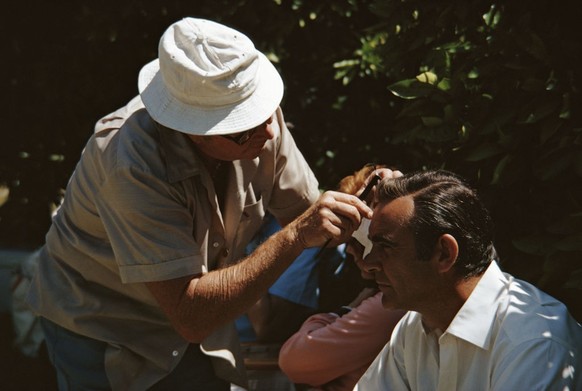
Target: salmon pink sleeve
(327,347)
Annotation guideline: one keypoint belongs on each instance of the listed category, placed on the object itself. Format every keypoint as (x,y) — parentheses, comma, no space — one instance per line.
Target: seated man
(469,326)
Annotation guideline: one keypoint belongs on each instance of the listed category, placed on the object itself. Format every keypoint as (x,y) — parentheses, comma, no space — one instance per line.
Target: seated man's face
(405,281)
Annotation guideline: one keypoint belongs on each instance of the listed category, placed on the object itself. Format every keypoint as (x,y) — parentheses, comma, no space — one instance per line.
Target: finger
(367,190)
(345,204)
(388,173)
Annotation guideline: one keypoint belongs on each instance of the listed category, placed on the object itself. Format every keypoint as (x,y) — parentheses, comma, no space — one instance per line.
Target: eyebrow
(383,239)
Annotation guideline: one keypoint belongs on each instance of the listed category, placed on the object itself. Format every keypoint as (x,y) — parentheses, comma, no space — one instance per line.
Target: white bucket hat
(209,79)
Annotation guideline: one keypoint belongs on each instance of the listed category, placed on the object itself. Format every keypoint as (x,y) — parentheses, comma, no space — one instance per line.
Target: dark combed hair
(445,204)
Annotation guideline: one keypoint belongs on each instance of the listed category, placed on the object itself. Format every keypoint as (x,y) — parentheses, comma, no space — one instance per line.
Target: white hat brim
(243,115)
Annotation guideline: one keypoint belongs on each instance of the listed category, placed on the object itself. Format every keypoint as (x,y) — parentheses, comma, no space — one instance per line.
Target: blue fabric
(78,360)
(79,363)
(299,282)
(245,330)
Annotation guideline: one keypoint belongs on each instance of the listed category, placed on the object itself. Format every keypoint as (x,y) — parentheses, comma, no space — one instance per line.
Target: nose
(370,263)
(266,129)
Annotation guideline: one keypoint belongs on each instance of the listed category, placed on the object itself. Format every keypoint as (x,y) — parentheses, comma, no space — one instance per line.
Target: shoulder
(530,314)
(117,118)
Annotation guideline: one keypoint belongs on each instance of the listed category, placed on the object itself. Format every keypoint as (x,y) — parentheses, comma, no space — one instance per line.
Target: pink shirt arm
(327,347)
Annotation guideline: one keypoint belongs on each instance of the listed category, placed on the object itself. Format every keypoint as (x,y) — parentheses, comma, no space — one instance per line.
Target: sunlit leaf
(4,194)
(427,77)
(444,84)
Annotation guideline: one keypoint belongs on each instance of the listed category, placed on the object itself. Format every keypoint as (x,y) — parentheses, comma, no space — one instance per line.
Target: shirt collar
(473,322)
(180,155)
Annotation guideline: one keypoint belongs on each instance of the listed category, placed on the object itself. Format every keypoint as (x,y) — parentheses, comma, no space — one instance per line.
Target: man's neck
(446,305)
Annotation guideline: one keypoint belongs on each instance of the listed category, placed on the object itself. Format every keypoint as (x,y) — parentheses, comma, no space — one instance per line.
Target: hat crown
(209,79)
(207,64)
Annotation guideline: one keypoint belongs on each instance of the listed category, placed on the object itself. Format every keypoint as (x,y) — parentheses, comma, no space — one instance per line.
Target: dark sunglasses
(242,137)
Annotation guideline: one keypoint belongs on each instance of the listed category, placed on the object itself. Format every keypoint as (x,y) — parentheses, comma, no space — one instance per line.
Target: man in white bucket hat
(139,281)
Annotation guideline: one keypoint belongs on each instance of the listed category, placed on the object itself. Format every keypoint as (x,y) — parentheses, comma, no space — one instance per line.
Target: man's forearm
(198,305)
(221,295)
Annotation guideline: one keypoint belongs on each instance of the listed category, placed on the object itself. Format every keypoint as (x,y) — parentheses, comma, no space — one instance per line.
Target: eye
(385,246)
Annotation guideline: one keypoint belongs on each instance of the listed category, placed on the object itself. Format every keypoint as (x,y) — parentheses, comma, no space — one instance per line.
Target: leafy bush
(491,90)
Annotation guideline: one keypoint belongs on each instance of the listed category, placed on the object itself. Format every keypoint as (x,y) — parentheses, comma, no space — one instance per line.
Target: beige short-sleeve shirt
(141,207)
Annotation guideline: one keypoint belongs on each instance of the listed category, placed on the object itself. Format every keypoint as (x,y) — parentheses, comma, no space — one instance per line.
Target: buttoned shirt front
(141,207)
(507,336)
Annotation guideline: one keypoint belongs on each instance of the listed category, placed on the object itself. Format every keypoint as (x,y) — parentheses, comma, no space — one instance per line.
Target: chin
(252,154)
(388,304)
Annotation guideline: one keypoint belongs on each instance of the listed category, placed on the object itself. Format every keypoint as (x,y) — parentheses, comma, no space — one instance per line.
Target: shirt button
(215,244)
(175,353)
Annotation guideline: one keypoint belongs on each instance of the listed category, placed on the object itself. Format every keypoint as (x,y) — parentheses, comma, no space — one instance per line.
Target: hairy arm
(198,305)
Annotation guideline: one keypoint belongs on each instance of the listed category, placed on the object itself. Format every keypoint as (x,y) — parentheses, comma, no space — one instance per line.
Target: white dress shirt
(508,335)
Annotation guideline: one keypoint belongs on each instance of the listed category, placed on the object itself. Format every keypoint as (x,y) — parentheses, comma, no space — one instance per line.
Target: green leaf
(534,45)
(411,89)
(439,134)
(431,122)
(444,84)
(500,169)
(570,243)
(574,280)
(549,128)
(533,85)
(420,108)
(484,151)
(534,244)
(427,77)
(510,169)
(566,226)
(540,111)
(4,193)
(553,164)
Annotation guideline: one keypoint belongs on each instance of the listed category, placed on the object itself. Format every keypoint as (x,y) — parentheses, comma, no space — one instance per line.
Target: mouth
(382,284)
(256,145)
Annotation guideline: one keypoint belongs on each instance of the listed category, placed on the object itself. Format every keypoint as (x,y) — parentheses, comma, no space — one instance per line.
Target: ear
(446,252)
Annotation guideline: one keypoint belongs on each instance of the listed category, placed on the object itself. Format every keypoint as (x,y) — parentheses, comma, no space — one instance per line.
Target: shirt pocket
(251,220)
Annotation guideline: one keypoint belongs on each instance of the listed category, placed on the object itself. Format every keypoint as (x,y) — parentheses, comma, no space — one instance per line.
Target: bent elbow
(192,333)
(192,336)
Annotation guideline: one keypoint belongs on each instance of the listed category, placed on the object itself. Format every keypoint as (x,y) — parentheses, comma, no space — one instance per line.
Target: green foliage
(488,89)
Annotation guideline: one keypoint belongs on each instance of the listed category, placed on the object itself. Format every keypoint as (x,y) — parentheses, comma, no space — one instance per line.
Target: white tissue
(361,235)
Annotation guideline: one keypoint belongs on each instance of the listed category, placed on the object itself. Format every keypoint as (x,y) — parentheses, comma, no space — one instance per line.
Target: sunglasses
(242,137)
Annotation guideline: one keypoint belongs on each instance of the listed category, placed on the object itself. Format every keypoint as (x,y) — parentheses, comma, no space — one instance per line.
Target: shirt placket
(448,363)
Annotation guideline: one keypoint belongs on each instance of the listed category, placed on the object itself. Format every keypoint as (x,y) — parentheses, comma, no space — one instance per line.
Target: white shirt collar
(474,320)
